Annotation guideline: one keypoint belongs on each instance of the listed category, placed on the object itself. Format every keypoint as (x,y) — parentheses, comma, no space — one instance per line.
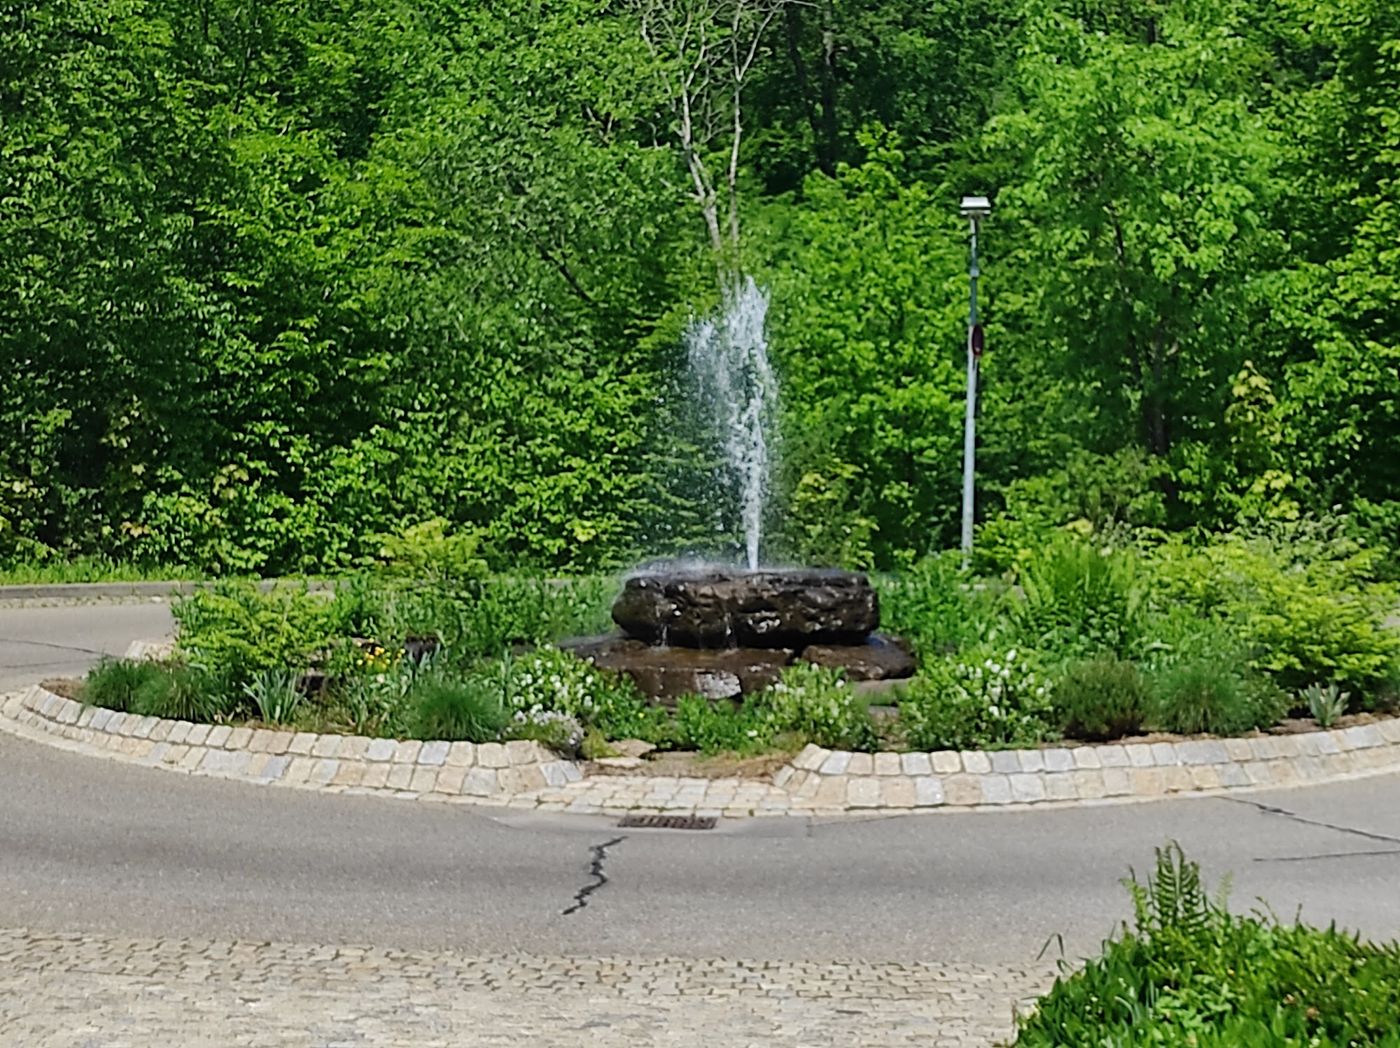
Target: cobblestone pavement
(85,991)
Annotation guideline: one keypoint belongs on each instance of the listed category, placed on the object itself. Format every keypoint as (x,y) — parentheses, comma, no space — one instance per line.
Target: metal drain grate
(668,822)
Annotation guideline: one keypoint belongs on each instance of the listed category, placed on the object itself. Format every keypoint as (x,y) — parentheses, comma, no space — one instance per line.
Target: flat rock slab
(748,609)
(879,658)
(666,673)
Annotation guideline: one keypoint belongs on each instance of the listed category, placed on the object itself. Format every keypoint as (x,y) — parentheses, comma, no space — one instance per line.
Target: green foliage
(432,550)
(983,698)
(188,693)
(279,281)
(275,694)
(459,710)
(374,700)
(1079,598)
(816,704)
(243,630)
(1191,972)
(718,726)
(1100,699)
(1326,704)
(114,683)
(935,606)
(1210,695)
(1303,596)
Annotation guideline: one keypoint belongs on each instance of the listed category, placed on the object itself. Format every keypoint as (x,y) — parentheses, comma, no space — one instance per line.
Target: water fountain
(722,632)
(733,383)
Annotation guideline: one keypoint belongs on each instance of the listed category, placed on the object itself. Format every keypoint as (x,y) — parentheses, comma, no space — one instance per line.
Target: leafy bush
(464,710)
(718,726)
(1081,599)
(1305,597)
(550,680)
(1206,695)
(432,550)
(1190,972)
(986,697)
(558,731)
(815,703)
(113,683)
(241,631)
(189,693)
(1100,699)
(935,606)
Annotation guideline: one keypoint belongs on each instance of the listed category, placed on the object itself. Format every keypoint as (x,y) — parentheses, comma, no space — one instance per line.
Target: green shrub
(1304,597)
(936,606)
(1100,699)
(455,709)
(985,697)
(1207,695)
(718,726)
(550,680)
(113,683)
(189,693)
(1081,599)
(816,704)
(238,631)
(558,731)
(432,550)
(1189,972)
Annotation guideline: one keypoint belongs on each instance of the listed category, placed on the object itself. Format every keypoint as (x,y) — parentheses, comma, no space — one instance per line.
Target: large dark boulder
(757,609)
(665,674)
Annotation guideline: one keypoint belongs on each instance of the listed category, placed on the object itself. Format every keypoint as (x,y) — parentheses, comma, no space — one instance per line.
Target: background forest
(277,277)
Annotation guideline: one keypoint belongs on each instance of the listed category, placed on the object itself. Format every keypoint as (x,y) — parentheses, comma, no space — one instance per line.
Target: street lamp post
(974,209)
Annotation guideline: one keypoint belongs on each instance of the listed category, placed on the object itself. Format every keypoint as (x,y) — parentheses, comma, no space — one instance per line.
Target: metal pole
(970,422)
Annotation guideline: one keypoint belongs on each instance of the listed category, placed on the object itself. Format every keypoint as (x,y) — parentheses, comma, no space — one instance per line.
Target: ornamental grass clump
(275,694)
(179,692)
(1200,695)
(457,710)
(1326,703)
(113,683)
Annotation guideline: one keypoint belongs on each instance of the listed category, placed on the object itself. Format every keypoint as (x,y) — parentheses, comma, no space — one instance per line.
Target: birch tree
(706,52)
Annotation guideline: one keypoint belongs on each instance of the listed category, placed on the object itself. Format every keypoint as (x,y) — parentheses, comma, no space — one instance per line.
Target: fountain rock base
(725,633)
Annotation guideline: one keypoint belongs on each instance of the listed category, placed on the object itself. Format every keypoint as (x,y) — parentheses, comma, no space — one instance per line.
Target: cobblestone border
(492,772)
(816,782)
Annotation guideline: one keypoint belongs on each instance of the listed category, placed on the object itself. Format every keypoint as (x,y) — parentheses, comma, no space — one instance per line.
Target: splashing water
(728,357)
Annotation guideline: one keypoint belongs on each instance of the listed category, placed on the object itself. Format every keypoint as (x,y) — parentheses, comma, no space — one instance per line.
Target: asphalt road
(92,845)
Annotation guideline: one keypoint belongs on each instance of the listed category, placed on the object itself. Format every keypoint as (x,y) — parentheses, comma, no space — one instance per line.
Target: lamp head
(976,207)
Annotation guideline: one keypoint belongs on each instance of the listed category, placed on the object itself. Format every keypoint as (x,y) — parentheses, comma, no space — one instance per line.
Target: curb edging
(480,774)
(817,782)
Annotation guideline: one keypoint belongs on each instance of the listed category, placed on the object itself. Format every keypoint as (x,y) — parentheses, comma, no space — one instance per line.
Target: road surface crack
(1270,809)
(595,870)
(1329,855)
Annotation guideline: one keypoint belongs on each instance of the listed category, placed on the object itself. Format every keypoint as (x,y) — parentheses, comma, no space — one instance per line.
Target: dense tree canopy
(280,277)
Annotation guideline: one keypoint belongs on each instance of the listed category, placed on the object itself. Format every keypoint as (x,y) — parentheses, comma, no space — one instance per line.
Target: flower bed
(1090,644)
